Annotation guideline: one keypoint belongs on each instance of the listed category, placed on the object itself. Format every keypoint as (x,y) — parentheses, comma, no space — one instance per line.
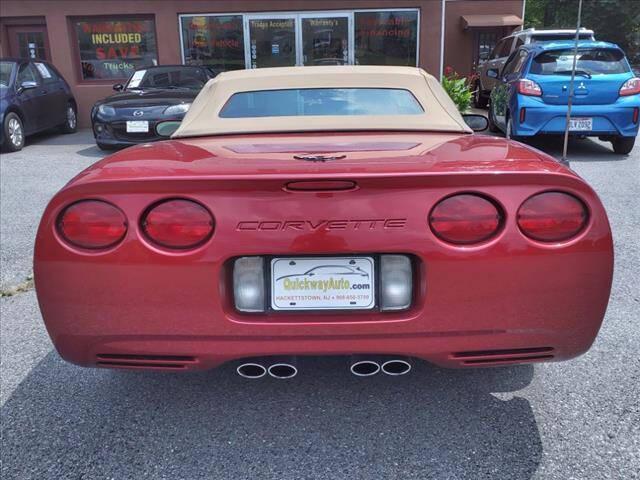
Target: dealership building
(96,44)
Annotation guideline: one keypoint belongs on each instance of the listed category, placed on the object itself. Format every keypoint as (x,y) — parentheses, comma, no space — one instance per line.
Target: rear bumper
(510,293)
(452,349)
(542,118)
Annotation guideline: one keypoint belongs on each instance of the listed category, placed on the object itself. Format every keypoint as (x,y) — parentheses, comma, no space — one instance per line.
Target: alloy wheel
(71,117)
(15,132)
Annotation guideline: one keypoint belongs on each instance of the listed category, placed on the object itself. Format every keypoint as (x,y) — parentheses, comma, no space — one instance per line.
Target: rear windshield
(321,101)
(560,36)
(592,61)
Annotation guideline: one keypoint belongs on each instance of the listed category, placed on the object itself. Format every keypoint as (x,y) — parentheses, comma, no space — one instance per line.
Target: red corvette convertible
(323,211)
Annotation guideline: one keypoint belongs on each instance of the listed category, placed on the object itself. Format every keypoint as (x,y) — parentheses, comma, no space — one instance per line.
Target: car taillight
(529,87)
(552,217)
(465,219)
(630,87)
(178,224)
(92,224)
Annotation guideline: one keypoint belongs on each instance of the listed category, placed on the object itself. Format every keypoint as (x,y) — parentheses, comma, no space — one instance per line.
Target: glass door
(271,41)
(28,41)
(324,39)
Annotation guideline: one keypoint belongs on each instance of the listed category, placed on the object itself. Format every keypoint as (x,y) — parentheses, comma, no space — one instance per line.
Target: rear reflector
(635,115)
(465,219)
(92,224)
(178,224)
(552,217)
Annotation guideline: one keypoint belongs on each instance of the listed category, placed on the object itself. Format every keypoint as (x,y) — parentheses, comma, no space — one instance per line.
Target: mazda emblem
(138,113)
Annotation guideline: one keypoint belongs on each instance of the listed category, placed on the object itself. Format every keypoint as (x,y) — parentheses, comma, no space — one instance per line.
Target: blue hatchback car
(532,93)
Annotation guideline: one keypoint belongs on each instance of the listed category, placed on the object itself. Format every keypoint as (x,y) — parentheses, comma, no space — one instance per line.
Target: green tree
(616,21)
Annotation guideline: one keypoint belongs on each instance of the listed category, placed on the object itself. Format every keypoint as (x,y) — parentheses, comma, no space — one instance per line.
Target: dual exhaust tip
(367,368)
(360,368)
(281,371)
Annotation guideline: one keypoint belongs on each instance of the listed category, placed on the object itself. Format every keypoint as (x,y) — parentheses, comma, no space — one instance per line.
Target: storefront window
(113,49)
(273,42)
(216,41)
(341,37)
(325,40)
(386,38)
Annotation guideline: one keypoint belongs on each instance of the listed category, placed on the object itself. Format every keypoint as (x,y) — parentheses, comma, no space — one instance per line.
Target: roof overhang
(495,20)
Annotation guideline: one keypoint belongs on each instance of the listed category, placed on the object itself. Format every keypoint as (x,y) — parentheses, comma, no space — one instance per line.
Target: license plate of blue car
(581,124)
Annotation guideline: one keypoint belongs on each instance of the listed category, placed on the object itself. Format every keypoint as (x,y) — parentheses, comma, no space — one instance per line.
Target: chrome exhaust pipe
(282,371)
(396,367)
(365,368)
(251,370)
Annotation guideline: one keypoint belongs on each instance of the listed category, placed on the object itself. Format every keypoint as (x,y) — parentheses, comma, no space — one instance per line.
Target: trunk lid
(343,156)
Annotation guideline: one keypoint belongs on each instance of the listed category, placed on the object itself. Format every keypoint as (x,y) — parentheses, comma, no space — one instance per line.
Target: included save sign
(113,49)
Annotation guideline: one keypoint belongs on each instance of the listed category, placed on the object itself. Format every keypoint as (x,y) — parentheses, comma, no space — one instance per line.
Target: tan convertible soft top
(440,113)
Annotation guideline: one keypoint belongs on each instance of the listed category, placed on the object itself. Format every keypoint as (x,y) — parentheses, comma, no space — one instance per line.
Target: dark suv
(33,97)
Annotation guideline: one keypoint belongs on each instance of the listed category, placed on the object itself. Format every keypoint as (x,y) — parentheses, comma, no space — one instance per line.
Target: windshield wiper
(582,73)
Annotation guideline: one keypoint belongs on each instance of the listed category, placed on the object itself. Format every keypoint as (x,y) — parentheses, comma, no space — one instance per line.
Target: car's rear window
(592,61)
(321,101)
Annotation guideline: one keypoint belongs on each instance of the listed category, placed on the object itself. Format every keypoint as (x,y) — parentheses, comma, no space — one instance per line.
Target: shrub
(458,88)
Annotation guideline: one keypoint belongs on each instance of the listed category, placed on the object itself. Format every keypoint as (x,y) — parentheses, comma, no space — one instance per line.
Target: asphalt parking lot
(573,420)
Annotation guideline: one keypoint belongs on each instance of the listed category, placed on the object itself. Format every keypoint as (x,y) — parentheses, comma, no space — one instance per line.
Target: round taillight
(178,224)
(552,217)
(465,219)
(92,224)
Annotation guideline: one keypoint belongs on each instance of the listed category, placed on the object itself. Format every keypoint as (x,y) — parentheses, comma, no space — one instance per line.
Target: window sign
(136,78)
(44,71)
(386,38)
(215,41)
(114,49)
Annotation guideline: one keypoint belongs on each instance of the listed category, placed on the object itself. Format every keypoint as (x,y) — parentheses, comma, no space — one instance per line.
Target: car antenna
(573,76)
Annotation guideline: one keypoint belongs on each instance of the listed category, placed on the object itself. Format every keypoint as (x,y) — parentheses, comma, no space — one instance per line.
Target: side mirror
(492,73)
(118,87)
(168,128)
(477,123)
(27,85)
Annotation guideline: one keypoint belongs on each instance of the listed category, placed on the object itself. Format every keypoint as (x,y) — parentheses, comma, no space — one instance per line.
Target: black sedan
(150,95)
(33,97)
